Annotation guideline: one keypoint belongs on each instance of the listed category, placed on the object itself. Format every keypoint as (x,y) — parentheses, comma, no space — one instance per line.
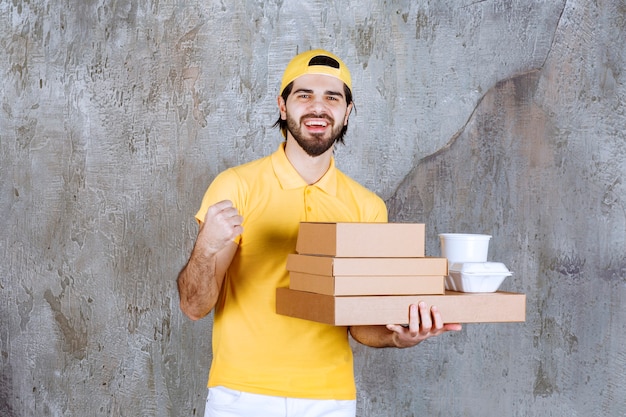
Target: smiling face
(316,112)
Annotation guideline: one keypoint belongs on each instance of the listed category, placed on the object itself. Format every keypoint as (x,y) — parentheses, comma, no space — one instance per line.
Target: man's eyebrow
(327,92)
(333,93)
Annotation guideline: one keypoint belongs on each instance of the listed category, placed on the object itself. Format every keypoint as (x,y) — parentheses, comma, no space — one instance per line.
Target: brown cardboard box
(455,307)
(328,265)
(362,240)
(367,285)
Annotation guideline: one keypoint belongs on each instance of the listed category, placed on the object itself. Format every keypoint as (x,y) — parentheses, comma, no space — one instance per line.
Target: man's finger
(414,319)
(425,319)
(437,320)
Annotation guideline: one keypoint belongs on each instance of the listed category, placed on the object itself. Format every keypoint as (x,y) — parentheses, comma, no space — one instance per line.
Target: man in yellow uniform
(266,364)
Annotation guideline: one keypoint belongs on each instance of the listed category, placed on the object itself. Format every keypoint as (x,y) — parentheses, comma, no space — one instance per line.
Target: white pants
(225,402)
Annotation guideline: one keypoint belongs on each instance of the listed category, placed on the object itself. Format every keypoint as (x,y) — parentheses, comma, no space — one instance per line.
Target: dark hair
(282,124)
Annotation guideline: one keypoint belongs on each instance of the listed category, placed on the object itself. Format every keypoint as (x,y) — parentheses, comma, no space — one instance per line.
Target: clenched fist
(222,224)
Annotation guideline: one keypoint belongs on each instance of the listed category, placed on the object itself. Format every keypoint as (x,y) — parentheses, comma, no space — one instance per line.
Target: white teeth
(316,123)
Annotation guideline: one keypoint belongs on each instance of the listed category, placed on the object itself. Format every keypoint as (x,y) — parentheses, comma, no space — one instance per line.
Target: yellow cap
(316,61)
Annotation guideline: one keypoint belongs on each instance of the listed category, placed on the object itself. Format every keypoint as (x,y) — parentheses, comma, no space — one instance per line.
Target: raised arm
(200,281)
(423,324)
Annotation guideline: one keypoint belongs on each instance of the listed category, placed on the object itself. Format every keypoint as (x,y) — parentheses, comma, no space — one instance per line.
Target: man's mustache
(318,116)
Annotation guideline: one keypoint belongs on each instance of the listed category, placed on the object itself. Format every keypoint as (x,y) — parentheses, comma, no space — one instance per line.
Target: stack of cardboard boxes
(349,274)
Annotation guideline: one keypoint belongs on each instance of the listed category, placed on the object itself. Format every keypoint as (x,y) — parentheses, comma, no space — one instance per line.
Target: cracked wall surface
(499,117)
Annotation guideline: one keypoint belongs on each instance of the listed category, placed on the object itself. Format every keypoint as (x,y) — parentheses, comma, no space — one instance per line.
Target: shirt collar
(289,178)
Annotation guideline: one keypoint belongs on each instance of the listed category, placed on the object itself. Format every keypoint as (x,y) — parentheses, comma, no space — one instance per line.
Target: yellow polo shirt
(254,349)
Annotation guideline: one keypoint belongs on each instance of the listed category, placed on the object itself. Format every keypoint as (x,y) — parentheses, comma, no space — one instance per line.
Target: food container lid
(480,268)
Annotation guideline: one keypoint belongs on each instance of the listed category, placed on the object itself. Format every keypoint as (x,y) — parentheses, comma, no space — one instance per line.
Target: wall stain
(612,197)
(25,308)
(6,390)
(135,314)
(366,40)
(544,384)
(556,335)
(552,335)
(424,28)
(74,338)
(614,271)
(571,266)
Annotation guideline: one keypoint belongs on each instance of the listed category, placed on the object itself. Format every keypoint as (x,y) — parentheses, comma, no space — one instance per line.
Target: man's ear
(282,107)
(348,111)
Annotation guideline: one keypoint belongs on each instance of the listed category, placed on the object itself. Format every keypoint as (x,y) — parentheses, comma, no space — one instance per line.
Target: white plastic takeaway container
(464,247)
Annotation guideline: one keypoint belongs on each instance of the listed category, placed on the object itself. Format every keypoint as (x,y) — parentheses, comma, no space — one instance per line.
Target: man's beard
(316,144)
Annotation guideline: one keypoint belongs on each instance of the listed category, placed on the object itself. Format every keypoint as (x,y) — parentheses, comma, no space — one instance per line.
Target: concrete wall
(501,117)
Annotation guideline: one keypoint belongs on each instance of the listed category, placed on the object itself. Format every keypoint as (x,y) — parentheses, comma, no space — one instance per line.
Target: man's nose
(318,105)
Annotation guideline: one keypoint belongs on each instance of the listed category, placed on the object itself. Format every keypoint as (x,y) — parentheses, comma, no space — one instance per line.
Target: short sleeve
(226,186)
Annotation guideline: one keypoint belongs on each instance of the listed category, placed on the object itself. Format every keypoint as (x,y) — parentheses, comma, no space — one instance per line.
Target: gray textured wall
(503,117)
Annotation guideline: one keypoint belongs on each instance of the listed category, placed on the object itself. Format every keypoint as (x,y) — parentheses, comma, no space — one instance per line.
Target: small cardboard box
(328,265)
(394,309)
(362,240)
(367,285)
